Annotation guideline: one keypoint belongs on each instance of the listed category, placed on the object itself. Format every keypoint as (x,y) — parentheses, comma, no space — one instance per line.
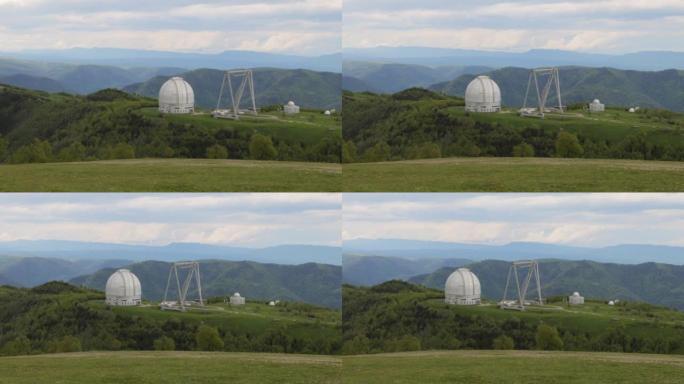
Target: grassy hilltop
(397,316)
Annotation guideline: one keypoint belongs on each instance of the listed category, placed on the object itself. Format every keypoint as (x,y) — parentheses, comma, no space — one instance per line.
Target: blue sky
(569,219)
(604,26)
(252,220)
(291,26)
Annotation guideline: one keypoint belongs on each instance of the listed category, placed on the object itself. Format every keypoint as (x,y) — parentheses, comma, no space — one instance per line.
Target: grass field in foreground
(514,175)
(169,368)
(529,367)
(171,175)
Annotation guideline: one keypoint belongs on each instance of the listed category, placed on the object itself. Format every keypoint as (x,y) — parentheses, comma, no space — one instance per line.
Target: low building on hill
(236,299)
(576,299)
(596,106)
(291,108)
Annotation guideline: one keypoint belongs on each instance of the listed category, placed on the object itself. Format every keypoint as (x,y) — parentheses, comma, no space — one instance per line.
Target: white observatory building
(176,96)
(575,299)
(483,95)
(123,289)
(462,288)
(236,299)
(291,108)
(596,106)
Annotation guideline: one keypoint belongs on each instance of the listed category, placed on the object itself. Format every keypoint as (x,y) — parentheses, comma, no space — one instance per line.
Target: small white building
(272,303)
(123,289)
(611,302)
(462,287)
(596,106)
(291,108)
(176,96)
(575,299)
(236,299)
(483,95)
(327,113)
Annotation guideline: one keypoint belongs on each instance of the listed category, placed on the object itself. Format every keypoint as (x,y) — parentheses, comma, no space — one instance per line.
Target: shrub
(217,151)
(36,152)
(503,342)
(261,148)
(567,145)
(547,338)
(208,339)
(164,343)
(523,150)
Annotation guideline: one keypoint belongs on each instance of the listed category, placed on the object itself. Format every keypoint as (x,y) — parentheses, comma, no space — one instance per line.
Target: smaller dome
(576,294)
(290,102)
(236,294)
(596,101)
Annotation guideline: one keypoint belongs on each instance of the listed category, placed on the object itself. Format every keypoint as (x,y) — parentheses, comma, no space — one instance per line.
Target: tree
(503,342)
(66,344)
(378,152)
(74,152)
(39,151)
(547,338)
(356,346)
(122,151)
(3,148)
(523,150)
(425,151)
(19,346)
(164,343)
(208,339)
(348,152)
(567,145)
(261,148)
(217,151)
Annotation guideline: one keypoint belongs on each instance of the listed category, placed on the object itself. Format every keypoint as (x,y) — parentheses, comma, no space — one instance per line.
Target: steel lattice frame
(246,79)
(552,80)
(193,273)
(532,268)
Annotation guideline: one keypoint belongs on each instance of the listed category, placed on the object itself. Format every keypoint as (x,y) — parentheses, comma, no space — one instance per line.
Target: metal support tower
(552,80)
(193,273)
(245,77)
(532,269)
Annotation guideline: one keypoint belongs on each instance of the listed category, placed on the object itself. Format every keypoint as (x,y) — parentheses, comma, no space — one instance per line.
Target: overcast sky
(253,220)
(607,26)
(292,26)
(569,219)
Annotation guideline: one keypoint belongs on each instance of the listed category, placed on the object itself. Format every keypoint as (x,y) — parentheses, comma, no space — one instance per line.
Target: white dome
(123,288)
(290,102)
(596,101)
(176,96)
(462,287)
(236,294)
(483,95)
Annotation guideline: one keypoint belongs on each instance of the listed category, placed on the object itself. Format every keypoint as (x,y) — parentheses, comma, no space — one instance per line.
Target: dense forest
(58,317)
(398,316)
(109,124)
(417,123)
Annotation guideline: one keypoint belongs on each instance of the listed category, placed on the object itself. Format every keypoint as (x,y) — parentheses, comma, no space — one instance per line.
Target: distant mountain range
(372,270)
(390,78)
(312,283)
(129,58)
(646,61)
(307,88)
(74,251)
(416,250)
(655,283)
(662,89)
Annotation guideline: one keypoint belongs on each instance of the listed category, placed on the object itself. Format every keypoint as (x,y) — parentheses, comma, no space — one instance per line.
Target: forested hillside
(655,283)
(614,87)
(398,316)
(418,123)
(309,89)
(58,317)
(111,124)
(312,283)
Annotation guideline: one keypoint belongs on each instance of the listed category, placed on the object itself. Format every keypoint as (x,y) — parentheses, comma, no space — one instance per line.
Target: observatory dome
(483,95)
(462,288)
(176,96)
(123,288)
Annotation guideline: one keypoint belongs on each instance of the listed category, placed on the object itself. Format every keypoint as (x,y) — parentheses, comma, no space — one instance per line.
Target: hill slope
(308,89)
(614,87)
(659,284)
(371,270)
(310,283)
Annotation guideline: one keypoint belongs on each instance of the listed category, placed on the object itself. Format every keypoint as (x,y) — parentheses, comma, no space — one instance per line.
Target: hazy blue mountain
(415,249)
(73,250)
(308,89)
(312,283)
(391,78)
(34,82)
(372,270)
(32,271)
(75,78)
(656,283)
(648,61)
(614,87)
(350,83)
(145,58)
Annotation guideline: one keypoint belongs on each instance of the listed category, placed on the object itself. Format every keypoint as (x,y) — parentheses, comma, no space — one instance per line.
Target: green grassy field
(170,367)
(514,175)
(171,175)
(484,367)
